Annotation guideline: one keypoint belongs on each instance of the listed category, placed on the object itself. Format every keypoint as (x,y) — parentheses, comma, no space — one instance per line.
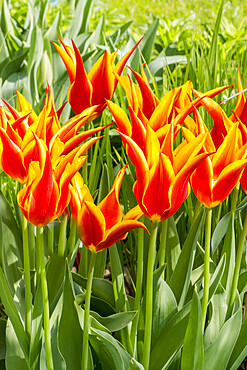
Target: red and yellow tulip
(18,146)
(100,226)
(47,193)
(88,89)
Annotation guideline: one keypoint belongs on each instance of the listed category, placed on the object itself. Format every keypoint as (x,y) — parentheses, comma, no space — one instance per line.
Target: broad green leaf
(240,349)
(2,338)
(13,314)
(160,62)
(219,232)
(174,331)
(70,332)
(115,322)
(147,43)
(192,354)
(229,250)
(173,249)
(180,279)
(101,288)
(94,323)
(164,304)
(242,282)
(15,358)
(55,275)
(216,356)
(218,310)
(110,352)
(81,18)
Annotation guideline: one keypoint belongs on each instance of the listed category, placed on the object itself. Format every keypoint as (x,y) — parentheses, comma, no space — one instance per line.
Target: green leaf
(3,324)
(164,304)
(15,358)
(70,332)
(174,331)
(242,282)
(13,314)
(101,288)
(230,251)
(173,248)
(115,322)
(192,355)
(219,232)
(146,45)
(180,279)
(217,355)
(110,352)
(240,349)
(80,23)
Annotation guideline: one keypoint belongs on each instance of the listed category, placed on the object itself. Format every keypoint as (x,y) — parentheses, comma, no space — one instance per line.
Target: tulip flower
(215,178)
(47,193)
(163,174)
(17,144)
(100,226)
(90,89)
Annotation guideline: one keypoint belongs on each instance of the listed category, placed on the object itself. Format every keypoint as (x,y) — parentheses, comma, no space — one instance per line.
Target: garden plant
(123,220)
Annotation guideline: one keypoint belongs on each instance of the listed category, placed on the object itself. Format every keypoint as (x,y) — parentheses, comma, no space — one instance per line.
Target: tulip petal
(119,232)
(11,158)
(91,225)
(120,117)
(110,206)
(68,62)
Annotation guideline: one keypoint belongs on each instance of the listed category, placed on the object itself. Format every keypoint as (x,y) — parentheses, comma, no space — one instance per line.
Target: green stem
(31,243)
(72,237)
(237,266)
(62,236)
(163,236)
(50,244)
(46,313)
(235,198)
(139,279)
(206,264)
(84,361)
(26,261)
(149,296)
(197,209)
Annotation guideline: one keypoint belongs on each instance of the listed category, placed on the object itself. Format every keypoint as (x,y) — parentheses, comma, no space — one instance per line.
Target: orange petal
(120,117)
(91,225)
(68,62)
(119,232)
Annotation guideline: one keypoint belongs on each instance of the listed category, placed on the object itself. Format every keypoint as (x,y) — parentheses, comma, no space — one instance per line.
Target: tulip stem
(206,264)
(72,237)
(46,312)
(26,262)
(62,236)
(235,198)
(50,242)
(84,360)
(138,293)
(237,266)
(163,237)
(149,296)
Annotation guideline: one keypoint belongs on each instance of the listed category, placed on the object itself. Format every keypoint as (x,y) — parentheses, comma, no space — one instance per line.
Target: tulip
(47,193)
(163,174)
(17,144)
(90,89)
(100,226)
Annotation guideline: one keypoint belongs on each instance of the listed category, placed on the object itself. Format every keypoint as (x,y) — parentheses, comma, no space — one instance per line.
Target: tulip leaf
(15,358)
(174,331)
(116,321)
(3,324)
(180,279)
(81,18)
(9,305)
(37,327)
(164,304)
(173,249)
(192,354)
(218,309)
(55,275)
(242,282)
(219,232)
(240,349)
(70,332)
(110,352)
(101,288)
(147,43)
(217,355)
(229,250)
